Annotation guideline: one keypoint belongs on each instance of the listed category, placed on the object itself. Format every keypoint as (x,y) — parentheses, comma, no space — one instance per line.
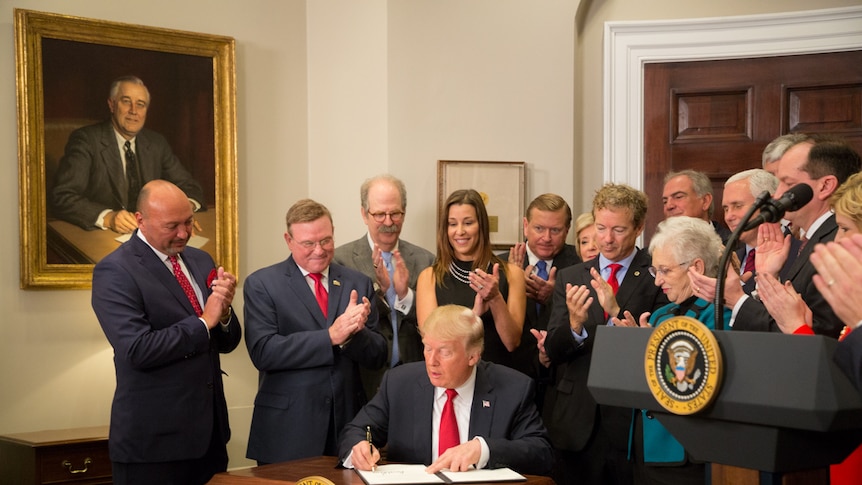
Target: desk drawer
(74,462)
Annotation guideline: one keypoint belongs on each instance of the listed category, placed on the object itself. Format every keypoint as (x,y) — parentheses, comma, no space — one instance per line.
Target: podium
(783,405)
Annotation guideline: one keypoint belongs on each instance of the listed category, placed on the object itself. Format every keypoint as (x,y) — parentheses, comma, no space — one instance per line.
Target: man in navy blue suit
(498,424)
(308,330)
(166,310)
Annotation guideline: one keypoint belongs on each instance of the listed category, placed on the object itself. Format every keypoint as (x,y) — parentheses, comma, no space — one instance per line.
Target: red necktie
(749,262)
(186,285)
(612,279)
(320,292)
(448,436)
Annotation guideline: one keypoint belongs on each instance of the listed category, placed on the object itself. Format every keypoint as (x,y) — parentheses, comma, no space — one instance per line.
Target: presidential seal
(683,365)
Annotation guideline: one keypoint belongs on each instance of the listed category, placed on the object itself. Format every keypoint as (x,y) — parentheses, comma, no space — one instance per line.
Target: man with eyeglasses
(545,252)
(310,324)
(394,266)
(591,440)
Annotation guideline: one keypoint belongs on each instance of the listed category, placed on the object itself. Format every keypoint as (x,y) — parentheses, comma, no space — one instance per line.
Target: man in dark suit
(823,163)
(740,192)
(592,440)
(309,326)
(454,410)
(380,253)
(165,309)
(105,165)
(546,225)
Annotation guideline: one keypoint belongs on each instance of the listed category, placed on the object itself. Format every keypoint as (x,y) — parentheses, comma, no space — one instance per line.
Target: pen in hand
(370,445)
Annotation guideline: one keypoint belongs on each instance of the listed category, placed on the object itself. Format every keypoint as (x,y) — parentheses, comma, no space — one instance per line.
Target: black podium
(783,405)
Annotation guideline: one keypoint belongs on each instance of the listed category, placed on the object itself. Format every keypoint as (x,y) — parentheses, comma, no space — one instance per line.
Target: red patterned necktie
(749,262)
(448,435)
(320,292)
(186,285)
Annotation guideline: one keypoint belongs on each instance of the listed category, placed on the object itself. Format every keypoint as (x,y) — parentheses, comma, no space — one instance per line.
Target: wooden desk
(56,456)
(69,244)
(324,466)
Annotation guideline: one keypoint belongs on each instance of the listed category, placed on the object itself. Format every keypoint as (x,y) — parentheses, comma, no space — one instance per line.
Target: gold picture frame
(502,187)
(64,67)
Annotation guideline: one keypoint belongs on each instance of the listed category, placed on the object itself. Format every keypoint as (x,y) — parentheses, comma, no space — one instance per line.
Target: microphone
(794,199)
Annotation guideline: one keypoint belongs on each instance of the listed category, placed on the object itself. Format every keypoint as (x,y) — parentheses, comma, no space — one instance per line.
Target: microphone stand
(729,249)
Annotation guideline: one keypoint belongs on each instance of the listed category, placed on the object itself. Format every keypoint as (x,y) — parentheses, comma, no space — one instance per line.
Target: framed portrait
(65,67)
(501,185)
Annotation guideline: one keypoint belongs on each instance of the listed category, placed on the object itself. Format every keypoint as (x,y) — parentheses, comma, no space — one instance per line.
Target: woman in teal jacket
(681,244)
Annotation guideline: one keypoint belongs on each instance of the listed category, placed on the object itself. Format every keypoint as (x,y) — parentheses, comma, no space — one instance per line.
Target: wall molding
(628,45)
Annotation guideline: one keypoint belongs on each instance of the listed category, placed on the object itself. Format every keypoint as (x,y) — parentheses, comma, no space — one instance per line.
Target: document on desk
(483,475)
(398,475)
(410,474)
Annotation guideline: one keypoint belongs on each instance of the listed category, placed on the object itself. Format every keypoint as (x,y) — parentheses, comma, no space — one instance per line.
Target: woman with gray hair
(681,244)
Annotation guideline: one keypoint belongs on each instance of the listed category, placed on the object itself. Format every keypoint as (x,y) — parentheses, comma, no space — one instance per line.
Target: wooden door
(717,116)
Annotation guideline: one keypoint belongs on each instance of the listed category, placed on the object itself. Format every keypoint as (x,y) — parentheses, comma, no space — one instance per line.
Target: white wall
(330,92)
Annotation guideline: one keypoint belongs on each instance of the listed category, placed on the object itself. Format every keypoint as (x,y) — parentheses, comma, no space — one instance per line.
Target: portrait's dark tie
(133,178)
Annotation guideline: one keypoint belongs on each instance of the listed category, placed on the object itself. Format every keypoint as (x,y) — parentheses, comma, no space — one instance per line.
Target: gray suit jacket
(90,175)
(357,255)
(503,413)
(303,377)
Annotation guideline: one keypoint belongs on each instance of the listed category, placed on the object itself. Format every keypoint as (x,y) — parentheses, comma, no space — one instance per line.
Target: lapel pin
(486,404)
(336,283)
(637,273)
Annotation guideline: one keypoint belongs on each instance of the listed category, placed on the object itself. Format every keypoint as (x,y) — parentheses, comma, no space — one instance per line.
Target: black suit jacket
(753,316)
(526,357)
(303,377)
(90,175)
(503,413)
(749,286)
(357,255)
(570,412)
(169,381)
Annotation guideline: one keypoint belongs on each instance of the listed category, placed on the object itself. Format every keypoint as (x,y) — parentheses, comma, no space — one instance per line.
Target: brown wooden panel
(695,116)
(702,117)
(825,109)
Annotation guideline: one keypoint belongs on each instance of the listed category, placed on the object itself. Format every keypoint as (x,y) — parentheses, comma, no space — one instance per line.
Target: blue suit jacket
(303,377)
(90,175)
(169,379)
(503,413)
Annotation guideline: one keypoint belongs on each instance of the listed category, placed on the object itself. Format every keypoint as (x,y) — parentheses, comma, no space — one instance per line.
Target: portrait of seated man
(104,165)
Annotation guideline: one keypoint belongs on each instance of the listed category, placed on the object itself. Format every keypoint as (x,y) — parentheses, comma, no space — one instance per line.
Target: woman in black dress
(466,272)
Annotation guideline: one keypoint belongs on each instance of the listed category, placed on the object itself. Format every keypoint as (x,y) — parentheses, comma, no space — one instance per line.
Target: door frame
(628,45)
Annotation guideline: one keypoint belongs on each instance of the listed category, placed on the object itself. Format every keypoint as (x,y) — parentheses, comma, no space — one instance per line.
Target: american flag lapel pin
(486,404)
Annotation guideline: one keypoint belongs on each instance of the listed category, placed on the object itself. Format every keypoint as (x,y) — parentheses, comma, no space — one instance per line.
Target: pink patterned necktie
(448,435)
(186,285)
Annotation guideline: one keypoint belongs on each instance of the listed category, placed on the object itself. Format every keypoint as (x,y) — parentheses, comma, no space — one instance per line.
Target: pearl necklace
(459,274)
